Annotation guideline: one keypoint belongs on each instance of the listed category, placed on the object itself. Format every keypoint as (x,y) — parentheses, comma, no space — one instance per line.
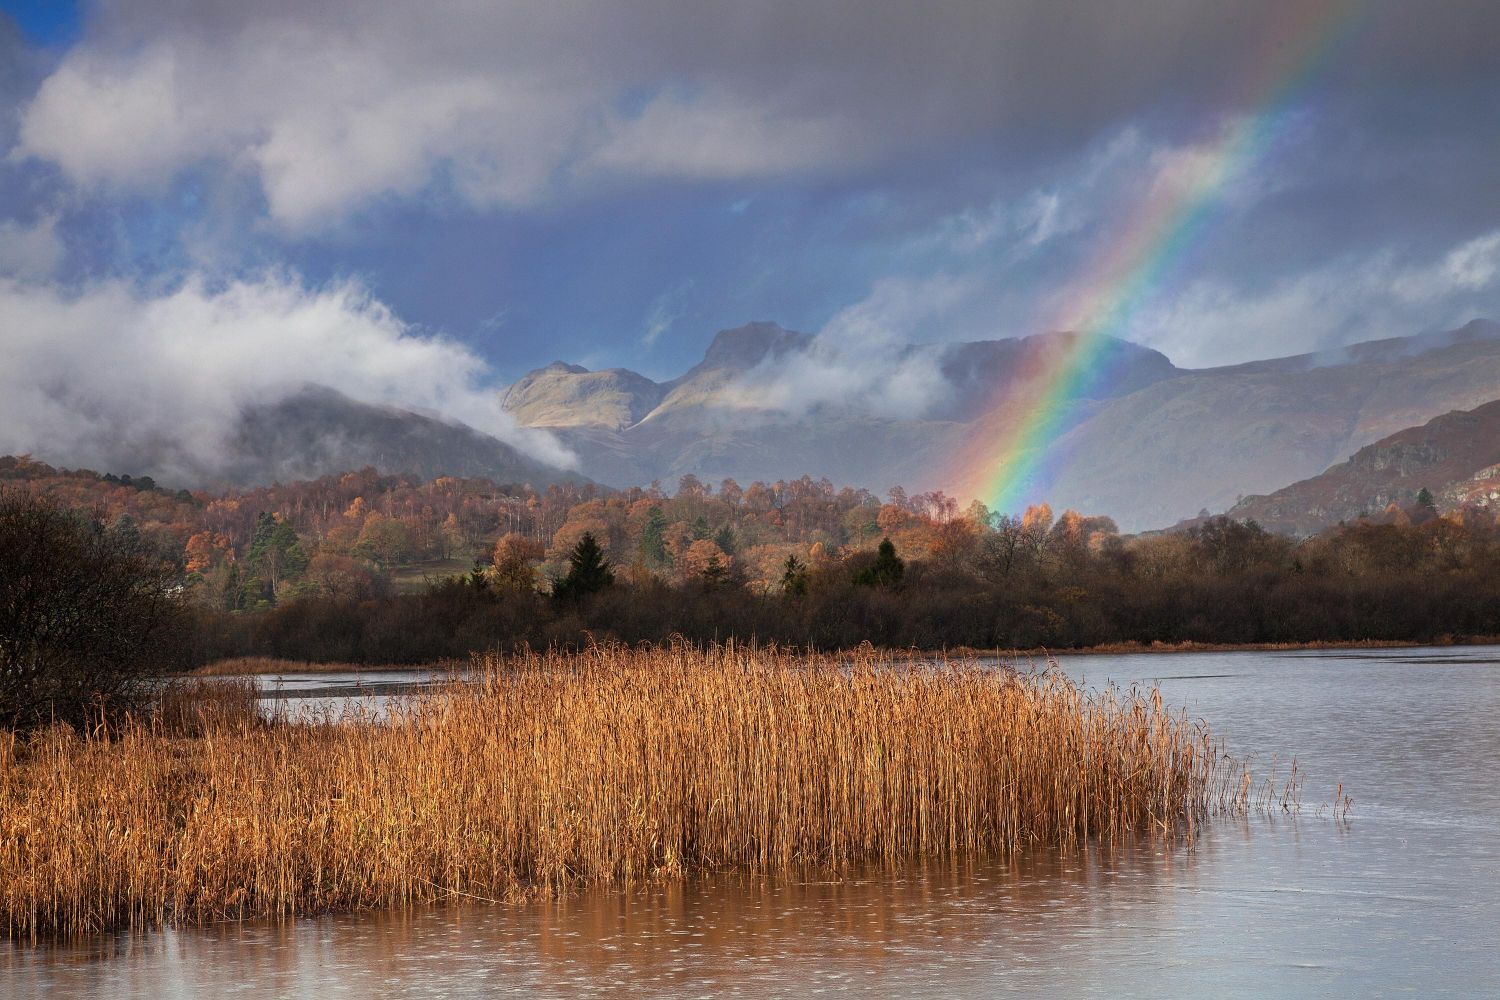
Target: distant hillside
(319,431)
(1454,456)
(1208,438)
(1151,445)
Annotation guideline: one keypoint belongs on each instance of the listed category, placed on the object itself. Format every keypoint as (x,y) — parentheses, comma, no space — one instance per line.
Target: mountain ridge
(1150,444)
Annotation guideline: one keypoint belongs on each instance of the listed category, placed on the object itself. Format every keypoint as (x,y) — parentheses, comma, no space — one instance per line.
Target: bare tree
(86,613)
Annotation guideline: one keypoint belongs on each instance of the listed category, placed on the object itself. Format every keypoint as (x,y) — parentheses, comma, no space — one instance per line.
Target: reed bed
(196,706)
(543,771)
(241,665)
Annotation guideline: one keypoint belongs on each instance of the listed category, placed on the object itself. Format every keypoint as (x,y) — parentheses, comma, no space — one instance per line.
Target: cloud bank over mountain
(112,377)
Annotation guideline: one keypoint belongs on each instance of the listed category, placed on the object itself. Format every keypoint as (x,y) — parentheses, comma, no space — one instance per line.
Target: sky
(206,201)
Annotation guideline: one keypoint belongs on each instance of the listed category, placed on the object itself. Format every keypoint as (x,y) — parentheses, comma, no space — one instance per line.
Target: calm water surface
(1403,899)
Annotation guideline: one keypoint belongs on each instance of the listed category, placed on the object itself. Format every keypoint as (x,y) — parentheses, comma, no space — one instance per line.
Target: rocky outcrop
(1453,456)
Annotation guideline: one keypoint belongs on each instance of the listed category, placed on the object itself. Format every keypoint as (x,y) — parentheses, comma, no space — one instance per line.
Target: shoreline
(266,666)
(1165,648)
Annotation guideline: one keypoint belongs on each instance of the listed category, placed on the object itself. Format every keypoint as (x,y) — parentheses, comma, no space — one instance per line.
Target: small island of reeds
(537,772)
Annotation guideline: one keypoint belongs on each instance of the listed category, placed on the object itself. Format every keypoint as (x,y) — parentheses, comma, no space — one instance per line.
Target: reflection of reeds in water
(550,770)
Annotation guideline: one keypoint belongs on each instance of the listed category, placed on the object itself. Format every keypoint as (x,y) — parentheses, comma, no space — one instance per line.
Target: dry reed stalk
(547,770)
(192,706)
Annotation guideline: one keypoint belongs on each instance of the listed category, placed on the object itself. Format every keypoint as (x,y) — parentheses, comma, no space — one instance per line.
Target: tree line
(1018,583)
(116,592)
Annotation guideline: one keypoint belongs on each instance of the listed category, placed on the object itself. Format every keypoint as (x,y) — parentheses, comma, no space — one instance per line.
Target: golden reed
(546,770)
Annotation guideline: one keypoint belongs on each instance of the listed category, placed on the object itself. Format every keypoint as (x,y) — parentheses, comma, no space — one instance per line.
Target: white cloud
(665,311)
(122,118)
(323,120)
(110,371)
(1354,299)
(1470,267)
(30,252)
(862,361)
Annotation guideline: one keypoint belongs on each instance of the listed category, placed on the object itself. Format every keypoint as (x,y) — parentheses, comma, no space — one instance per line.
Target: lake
(1402,899)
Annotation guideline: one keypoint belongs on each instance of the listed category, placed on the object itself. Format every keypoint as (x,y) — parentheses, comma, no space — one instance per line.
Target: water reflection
(1403,899)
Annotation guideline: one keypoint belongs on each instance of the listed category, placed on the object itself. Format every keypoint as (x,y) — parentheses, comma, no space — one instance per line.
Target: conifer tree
(886,571)
(794,577)
(654,540)
(588,571)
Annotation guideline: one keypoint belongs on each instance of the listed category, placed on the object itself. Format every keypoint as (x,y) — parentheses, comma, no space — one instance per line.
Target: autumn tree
(512,565)
(702,561)
(387,541)
(204,549)
(342,577)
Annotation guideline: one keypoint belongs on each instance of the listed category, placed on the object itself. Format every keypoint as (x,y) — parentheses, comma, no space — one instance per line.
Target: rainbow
(1006,454)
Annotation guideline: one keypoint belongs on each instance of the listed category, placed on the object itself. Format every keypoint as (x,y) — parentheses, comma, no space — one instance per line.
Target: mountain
(712,422)
(1208,437)
(1146,442)
(1455,456)
(317,431)
(563,395)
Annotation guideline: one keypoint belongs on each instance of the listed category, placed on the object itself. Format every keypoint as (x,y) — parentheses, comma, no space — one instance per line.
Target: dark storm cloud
(517,99)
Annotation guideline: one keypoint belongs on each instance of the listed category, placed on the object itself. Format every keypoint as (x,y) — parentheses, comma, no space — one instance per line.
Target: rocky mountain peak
(747,346)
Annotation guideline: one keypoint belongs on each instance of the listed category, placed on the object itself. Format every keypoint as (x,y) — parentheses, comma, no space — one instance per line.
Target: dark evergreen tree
(653,540)
(886,571)
(1424,498)
(715,574)
(588,571)
(724,539)
(478,578)
(275,552)
(794,577)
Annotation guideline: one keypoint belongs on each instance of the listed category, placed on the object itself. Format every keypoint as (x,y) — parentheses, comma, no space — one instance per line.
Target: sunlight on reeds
(244,665)
(548,770)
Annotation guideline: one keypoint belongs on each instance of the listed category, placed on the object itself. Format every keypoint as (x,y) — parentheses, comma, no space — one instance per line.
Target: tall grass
(194,706)
(548,770)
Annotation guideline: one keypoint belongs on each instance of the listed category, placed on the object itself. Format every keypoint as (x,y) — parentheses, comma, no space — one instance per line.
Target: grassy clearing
(416,577)
(552,770)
